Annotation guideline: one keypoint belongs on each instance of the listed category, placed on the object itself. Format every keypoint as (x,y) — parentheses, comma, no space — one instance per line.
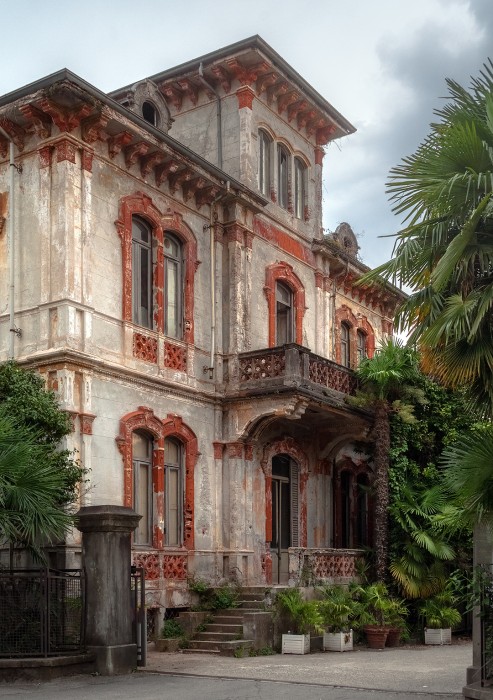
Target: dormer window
(149,112)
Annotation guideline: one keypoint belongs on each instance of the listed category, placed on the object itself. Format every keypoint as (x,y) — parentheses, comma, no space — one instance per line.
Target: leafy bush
(171,628)
(298,615)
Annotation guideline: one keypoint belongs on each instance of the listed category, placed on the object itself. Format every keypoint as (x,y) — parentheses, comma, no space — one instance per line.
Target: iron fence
(139,622)
(41,612)
(486,613)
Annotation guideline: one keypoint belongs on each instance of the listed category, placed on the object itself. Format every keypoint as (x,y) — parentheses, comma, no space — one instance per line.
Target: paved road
(153,686)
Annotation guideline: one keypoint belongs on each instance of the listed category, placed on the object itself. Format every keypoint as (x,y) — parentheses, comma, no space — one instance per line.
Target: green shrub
(171,629)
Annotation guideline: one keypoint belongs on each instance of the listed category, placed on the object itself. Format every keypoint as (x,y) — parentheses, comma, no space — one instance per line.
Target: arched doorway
(284,487)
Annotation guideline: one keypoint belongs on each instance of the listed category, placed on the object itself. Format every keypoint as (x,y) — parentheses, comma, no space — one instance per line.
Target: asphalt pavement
(404,673)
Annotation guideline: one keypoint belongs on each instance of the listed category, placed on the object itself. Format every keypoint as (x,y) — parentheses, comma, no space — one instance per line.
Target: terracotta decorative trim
(355,324)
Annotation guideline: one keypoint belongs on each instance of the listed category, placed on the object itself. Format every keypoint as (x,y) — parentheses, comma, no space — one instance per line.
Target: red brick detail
(324,133)
(86,420)
(344,314)
(235,449)
(45,156)
(235,234)
(117,142)
(41,122)
(249,452)
(319,155)
(16,132)
(144,347)
(387,327)
(72,416)
(245,97)
(65,150)
(175,567)
(65,119)
(266,563)
(248,240)
(93,128)
(218,449)
(282,272)
(319,279)
(173,426)
(148,562)
(287,446)
(175,357)
(284,241)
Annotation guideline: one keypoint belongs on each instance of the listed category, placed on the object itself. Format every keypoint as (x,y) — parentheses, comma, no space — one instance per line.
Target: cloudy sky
(382,63)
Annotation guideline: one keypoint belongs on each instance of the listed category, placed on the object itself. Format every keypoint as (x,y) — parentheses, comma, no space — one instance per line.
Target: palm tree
(385,380)
(445,252)
(32,489)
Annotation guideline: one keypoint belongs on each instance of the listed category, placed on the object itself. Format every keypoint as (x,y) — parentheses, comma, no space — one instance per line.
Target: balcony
(324,565)
(293,366)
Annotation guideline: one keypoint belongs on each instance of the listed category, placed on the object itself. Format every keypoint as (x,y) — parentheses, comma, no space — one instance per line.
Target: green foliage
(220,598)
(378,607)
(339,608)
(440,611)
(297,614)
(198,585)
(424,523)
(171,629)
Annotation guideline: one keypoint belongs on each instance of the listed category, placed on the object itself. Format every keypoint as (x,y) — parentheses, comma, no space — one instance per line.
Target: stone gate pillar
(106,558)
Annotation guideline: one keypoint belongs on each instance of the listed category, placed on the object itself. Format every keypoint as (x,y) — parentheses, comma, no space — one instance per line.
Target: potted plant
(170,636)
(339,610)
(440,616)
(297,616)
(375,613)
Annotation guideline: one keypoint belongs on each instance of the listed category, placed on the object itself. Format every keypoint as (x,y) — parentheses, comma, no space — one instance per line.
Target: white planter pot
(338,641)
(295,643)
(440,636)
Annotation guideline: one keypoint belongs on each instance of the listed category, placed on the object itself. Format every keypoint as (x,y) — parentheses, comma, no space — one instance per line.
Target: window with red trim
(286,304)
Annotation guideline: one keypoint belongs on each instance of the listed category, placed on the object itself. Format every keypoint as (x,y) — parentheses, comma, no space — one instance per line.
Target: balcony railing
(293,364)
(323,565)
(162,565)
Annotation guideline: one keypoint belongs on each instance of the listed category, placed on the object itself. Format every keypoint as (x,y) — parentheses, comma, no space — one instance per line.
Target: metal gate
(486,613)
(139,621)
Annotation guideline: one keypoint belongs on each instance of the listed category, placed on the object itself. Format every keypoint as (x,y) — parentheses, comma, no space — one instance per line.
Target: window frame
(137,485)
(179,286)
(345,344)
(264,162)
(283,170)
(138,246)
(361,346)
(288,309)
(300,185)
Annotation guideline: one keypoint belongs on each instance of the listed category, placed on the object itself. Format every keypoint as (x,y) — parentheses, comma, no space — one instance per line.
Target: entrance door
(284,515)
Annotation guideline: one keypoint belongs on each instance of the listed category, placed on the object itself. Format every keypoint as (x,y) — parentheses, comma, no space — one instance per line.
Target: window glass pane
(346,509)
(299,189)
(172,248)
(171,298)
(284,314)
(142,503)
(144,318)
(141,446)
(171,452)
(264,163)
(141,273)
(361,338)
(345,345)
(282,177)
(173,507)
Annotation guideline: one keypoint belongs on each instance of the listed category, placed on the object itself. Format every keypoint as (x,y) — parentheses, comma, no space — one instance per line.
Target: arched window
(299,188)
(282,176)
(361,349)
(173,488)
(173,285)
(149,112)
(345,345)
(284,314)
(142,269)
(264,162)
(142,486)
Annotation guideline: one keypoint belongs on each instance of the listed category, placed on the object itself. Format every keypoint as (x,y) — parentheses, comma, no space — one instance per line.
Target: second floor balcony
(293,366)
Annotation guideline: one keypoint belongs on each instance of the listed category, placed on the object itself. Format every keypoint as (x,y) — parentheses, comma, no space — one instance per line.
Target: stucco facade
(248,388)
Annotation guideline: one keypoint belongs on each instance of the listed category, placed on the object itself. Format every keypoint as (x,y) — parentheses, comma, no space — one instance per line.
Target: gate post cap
(106,518)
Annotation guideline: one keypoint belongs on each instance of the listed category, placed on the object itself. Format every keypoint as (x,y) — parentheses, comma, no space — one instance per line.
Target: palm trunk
(381,434)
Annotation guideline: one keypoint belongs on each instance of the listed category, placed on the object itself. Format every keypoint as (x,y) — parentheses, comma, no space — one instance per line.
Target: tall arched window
(173,487)
(299,188)
(284,314)
(142,268)
(282,177)
(345,345)
(352,508)
(142,486)
(264,162)
(173,282)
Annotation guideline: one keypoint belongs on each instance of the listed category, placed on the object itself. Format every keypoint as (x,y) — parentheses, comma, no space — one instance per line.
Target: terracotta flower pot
(393,637)
(376,636)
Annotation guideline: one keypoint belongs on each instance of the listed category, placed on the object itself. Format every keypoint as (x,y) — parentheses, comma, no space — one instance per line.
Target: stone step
(253,596)
(225,648)
(229,612)
(200,651)
(208,636)
(250,605)
(224,627)
(235,619)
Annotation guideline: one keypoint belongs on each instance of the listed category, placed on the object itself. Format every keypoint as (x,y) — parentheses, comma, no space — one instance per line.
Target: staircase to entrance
(236,630)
